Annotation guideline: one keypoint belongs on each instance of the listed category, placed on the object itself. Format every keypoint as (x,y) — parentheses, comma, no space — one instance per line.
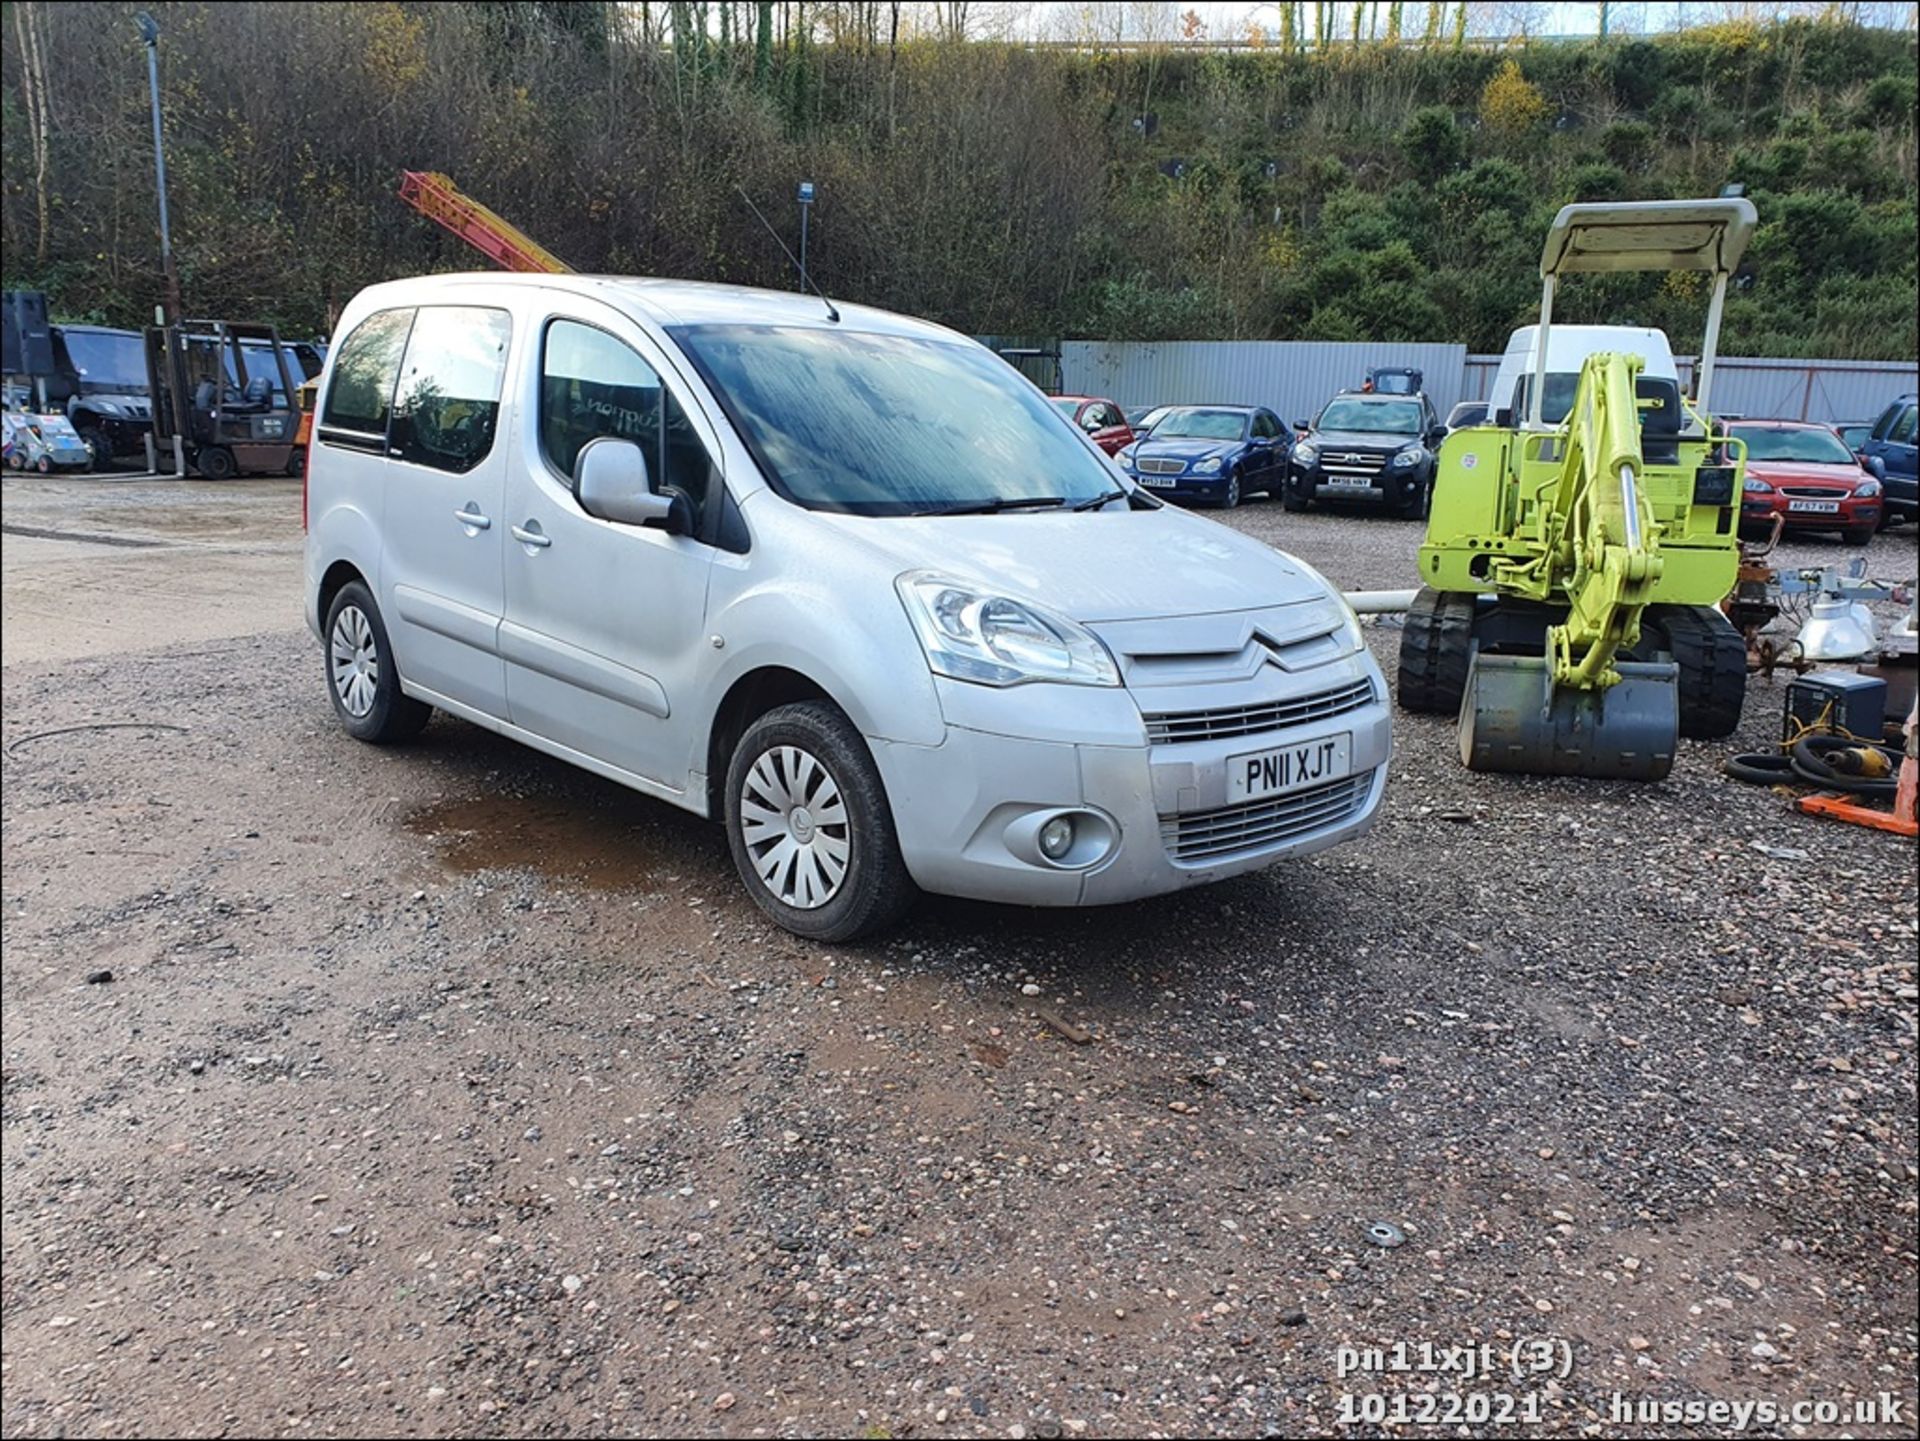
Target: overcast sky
(1229,19)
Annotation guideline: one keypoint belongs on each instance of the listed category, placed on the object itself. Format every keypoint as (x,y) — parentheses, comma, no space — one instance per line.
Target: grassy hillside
(1366,192)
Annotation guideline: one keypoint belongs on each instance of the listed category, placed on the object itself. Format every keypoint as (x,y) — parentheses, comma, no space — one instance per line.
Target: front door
(603,637)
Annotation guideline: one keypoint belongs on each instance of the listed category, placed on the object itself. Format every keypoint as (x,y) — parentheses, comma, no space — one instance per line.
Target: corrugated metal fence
(1295,378)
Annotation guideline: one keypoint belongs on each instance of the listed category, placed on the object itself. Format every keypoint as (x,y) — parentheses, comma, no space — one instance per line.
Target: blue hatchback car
(1215,453)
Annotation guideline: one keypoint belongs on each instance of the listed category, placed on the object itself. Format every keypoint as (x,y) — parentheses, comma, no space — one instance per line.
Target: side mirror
(611,483)
(1303,425)
(1878,466)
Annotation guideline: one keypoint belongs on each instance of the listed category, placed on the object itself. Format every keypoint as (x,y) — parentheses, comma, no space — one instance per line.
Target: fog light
(1056,838)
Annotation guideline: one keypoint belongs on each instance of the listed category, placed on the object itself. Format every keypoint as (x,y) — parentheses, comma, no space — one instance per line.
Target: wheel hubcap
(355,662)
(796,827)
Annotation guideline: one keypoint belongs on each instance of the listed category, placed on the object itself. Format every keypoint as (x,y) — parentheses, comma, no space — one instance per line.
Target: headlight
(1757,487)
(1305,454)
(106,407)
(992,639)
(1867,489)
(1209,466)
(1351,639)
(1124,455)
(1409,458)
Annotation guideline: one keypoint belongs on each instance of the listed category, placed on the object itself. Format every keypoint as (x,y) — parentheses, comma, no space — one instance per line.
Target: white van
(843,580)
(1568,347)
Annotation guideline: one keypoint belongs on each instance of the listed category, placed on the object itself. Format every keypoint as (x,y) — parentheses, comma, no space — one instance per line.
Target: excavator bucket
(1513,719)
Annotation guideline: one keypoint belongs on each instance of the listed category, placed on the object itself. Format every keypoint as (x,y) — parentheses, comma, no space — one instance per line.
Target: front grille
(1815,492)
(1236,830)
(1247,720)
(1352,463)
(1153,465)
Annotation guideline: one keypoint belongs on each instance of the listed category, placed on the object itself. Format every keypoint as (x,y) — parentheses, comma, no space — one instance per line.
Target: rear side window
(448,401)
(360,396)
(591,385)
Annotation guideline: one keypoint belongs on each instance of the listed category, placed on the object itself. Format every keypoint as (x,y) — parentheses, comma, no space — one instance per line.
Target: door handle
(469,514)
(533,536)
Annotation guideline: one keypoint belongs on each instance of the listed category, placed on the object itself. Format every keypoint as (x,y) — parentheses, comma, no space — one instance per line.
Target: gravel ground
(454,1090)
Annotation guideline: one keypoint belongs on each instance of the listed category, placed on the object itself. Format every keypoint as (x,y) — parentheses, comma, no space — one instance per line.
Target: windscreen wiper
(1094,502)
(989,507)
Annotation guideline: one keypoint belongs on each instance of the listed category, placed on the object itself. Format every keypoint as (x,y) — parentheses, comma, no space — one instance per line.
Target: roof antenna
(832,314)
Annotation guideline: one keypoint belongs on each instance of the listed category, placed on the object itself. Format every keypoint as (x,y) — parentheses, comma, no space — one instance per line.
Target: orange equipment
(505,244)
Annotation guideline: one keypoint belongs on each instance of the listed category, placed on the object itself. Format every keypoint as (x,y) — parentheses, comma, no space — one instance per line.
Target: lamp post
(150,33)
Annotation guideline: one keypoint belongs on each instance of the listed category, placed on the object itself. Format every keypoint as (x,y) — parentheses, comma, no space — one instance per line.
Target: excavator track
(1436,649)
(1712,657)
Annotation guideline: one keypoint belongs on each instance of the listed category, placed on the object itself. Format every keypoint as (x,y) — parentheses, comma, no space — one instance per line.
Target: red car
(1805,473)
(1103,421)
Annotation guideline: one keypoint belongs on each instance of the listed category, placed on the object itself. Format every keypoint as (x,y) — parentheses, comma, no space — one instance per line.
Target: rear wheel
(1436,649)
(1712,657)
(810,828)
(361,676)
(215,462)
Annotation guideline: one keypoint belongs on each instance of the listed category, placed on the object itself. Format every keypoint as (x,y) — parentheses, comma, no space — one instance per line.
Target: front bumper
(961,808)
(1385,486)
(1758,512)
(1190,485)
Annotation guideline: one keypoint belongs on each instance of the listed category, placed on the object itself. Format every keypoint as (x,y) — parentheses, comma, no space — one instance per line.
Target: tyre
(1292,501)
(361,676)
(1860,534)
(297,462)
(1231,497)
(1436,649)
(1414,507)
(1712,657)
(215,462)
(97,441)
(810,828)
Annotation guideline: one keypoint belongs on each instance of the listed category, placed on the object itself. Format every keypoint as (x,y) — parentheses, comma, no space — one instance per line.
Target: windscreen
(1201,425)
(876,424)
(1809,447)
(107,359)
(1383,417)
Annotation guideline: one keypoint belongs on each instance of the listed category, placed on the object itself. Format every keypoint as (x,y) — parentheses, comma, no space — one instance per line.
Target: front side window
(360,395)
(1202,425)
(592,384)
(1392,417)
(872,424)
(448,402)
(1265,426)
(1902,433)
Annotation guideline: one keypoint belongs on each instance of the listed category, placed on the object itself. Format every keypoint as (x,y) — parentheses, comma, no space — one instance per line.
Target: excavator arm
(1606,545)
(1598,544)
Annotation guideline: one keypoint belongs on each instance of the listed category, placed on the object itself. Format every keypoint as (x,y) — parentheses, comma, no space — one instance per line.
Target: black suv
(100,380)
(1371,448)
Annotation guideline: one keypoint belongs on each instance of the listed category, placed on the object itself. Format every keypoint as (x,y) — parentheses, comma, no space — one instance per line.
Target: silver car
(839,579)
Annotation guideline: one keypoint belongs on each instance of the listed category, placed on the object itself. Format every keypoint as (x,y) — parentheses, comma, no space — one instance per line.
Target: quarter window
(360,395)
(593,385)
(448,402)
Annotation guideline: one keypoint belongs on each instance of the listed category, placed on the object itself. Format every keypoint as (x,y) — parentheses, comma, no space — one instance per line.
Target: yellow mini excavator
(1580,540)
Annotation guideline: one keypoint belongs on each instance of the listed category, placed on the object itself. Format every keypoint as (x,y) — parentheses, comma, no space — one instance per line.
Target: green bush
(1433,143)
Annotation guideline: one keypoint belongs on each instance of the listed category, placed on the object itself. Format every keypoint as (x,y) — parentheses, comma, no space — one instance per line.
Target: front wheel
(1291,500)
(1231,496)
(809,825)
(361,676)
(215,462)
(1860,534)
(96,441)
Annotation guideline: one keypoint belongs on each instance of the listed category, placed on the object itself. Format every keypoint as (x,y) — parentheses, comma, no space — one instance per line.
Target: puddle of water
(601,847)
